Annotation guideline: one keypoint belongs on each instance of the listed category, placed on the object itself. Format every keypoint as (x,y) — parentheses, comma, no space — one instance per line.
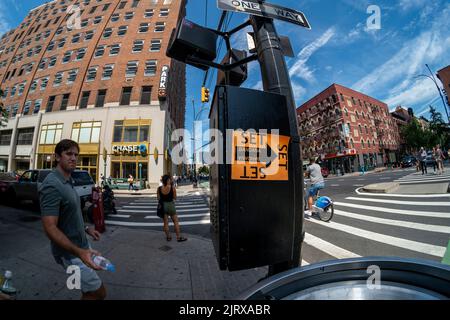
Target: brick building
(444,76)
(103,80)
(347,129)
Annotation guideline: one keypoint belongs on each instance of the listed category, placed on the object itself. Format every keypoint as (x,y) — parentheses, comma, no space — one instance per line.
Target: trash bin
(349,279)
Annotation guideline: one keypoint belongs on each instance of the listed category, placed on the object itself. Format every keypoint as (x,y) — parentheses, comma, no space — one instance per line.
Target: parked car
(27,186)
(430,161)
(408,161)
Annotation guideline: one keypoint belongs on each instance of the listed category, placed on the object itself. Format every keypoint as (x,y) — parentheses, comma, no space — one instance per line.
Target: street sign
(259,157)
(264,10)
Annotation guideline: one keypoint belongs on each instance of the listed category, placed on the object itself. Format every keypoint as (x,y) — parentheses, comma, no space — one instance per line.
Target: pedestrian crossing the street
(419,178)
(377,225)
(191,210)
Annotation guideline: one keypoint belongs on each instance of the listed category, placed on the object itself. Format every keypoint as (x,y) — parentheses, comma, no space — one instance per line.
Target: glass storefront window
(143,134)
(50,138)
(130,134)
(85,135)
(51,134)
(86,132)
(128,168)
(95,138)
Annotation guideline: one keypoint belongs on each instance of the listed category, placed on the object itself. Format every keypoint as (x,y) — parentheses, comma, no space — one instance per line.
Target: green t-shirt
(59,198)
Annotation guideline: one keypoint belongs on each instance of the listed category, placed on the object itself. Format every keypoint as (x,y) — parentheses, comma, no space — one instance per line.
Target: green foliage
(3,113)
(204,169)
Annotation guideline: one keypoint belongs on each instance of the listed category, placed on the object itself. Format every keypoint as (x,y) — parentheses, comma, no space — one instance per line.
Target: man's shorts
(90,281)
(312,192)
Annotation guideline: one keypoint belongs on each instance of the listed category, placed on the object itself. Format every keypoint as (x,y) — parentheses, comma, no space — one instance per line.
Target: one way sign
(264,10)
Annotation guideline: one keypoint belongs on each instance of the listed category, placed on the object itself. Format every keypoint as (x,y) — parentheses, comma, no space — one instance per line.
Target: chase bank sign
(130,149)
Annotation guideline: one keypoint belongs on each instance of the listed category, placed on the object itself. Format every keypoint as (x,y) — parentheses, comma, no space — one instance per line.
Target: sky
(339,48)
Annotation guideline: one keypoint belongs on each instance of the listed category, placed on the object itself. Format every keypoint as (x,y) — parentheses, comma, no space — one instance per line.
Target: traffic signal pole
(275,78)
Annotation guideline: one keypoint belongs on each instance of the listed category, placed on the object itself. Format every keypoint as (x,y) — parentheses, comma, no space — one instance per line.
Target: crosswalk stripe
(403,195)
(413,203)
(398,211)
(120,216)
(182,216)
(153,211)
(154,224)
(425,177)
(437,251)
(328,248)
(397,223)
(420,182)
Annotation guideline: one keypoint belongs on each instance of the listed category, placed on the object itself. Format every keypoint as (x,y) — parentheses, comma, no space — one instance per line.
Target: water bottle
(103,263)
(7,286)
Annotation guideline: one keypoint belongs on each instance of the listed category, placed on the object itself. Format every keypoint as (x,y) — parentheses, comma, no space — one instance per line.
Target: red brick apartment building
(105,83)
(444,76)
(347,129)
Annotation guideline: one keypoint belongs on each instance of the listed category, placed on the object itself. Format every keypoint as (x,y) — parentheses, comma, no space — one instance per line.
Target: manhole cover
(29,219)
(165,248)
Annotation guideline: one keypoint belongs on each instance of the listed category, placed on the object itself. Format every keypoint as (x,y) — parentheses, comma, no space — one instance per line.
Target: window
(138,45)
(44,83)
(122,4)
(126,96)
(132,68)
(33,86)
(72,76)
(89,35)
(61,43)
(64,101)
(21,89)
(160,26)
(150,68)
(93,9)
(122,30)
(50,103)
(99,51)
(135,3)
(114,49)
(167,2)
(148,13)
(91,73)
(76,38)
(51,134)
(106,6)
(84,23)
(129,16)
(59,31)
(25,136)
(67,56)
(58,79)
(37,50)
(37,106)
(143,27)
(146,96)
(362,143)
(107,33)
(155,45)
(29,68)
(107,71)
(5,137)
(42,64)
(29,52)
(52,62)
(80,54)
(37,38)
(51,46)
(130,134)
(26,108)
(115,17)
(360,129)
(101,95)
(84,99)
(164,12)
(97,20)
(86,132)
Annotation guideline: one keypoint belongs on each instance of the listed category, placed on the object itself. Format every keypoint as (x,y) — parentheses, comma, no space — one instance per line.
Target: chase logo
(143,149)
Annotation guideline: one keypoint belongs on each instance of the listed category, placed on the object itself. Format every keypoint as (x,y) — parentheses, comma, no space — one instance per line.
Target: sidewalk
(148,267)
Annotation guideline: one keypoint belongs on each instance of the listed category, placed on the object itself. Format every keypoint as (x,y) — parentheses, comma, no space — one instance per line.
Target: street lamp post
(437,87)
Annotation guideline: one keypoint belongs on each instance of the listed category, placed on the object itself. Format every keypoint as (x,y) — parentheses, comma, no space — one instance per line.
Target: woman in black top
(167,193)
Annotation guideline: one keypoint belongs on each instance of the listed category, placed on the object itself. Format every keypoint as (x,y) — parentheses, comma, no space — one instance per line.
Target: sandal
(181,239)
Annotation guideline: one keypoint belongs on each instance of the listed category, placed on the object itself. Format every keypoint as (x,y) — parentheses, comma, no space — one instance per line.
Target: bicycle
(322,206)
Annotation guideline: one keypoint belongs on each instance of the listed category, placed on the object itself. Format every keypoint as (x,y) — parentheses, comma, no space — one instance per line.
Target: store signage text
(130,149)
(163,82)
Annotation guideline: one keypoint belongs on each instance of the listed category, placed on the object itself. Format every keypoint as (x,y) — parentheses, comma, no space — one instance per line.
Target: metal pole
(440,93)
(275,77)
(193,150)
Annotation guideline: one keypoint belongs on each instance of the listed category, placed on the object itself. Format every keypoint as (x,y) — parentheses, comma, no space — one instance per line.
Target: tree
(3,112)
(204,169)
(416,137)
(439,129)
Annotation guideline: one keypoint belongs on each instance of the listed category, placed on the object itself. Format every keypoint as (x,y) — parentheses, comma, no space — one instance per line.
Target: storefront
(3,164)
(130,149)
(340,162)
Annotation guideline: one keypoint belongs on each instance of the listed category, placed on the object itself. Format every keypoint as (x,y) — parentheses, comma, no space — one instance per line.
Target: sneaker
(308,212)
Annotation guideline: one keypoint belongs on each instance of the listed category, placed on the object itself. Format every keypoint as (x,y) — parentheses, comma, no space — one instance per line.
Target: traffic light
(205,94)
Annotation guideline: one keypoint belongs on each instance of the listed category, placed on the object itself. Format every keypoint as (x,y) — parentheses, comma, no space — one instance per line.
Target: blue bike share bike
(322,206)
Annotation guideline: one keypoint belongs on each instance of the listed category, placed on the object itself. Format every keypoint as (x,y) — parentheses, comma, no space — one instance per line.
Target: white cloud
(300,69)
(397,73)
(298,90)
(405,5)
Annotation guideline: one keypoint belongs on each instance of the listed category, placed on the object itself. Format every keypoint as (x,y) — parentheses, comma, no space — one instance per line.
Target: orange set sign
(257,156)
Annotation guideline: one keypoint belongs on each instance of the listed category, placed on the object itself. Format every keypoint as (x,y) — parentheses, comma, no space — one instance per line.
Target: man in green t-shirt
(63,221)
